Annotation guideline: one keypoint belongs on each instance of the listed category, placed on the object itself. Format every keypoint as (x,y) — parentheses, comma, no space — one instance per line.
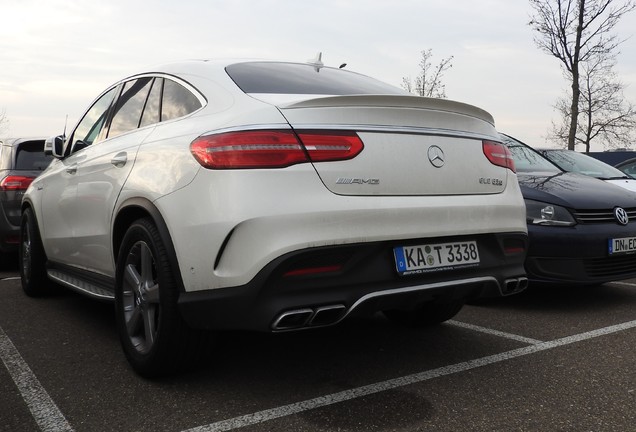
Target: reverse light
(15,183)
(498,154)
(273,148)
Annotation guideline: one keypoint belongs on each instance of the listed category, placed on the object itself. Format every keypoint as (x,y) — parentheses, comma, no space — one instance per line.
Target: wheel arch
(27,204)
(137,208)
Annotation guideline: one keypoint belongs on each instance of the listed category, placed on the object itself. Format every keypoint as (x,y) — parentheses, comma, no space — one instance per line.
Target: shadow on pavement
(8,263)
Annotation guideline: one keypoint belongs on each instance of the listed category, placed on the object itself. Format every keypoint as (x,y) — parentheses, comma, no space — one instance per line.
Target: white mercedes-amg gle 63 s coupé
(271,196)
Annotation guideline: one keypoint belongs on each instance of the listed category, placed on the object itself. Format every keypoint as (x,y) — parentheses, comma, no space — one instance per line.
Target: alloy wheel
(141,297)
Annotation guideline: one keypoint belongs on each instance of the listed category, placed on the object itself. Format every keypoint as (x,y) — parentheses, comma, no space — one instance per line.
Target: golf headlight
(540,213)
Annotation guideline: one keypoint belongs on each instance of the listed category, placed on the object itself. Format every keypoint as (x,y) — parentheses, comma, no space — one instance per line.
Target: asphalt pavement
(549,359)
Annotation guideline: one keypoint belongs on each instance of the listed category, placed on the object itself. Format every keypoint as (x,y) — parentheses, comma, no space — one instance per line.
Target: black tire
(154,337)
(32,258)
(426,314)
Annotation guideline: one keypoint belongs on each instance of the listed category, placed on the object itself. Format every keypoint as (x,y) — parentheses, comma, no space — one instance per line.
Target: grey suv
(21,160)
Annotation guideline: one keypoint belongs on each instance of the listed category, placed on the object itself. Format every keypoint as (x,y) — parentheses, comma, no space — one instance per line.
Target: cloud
(57,55)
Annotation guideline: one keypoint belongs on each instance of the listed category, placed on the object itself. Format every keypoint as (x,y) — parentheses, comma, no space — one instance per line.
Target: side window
(177,101)
(89,127)
(129,106)
(152,110)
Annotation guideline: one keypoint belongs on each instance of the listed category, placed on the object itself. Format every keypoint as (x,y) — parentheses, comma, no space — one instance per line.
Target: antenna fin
(316,62)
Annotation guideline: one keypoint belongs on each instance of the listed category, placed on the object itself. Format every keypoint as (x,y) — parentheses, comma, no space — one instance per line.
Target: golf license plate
(435,257)
(622,245)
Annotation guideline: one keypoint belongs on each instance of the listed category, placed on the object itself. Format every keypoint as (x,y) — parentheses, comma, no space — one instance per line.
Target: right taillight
(273,148)
(498,154)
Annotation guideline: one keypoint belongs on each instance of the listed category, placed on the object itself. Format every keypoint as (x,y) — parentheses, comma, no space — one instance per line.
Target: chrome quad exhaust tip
(309,317)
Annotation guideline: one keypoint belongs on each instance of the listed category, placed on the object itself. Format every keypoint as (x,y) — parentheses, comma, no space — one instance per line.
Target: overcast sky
(56,56)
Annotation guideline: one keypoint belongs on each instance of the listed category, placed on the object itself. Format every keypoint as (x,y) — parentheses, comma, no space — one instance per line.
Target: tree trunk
(574,108)
(576,90)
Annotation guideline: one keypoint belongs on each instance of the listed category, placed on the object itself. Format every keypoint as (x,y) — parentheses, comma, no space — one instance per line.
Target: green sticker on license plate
(435,257)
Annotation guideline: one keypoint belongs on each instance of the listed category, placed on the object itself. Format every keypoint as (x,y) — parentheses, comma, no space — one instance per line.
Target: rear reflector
(12,239)
(514,246)
(313,270)
(498,154)
(273,149)
(14,183)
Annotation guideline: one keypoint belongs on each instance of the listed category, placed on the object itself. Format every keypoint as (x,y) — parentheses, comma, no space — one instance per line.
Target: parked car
(582,230)
(21,160)
(271,196)
(612,157)
(570,160)
(628,167)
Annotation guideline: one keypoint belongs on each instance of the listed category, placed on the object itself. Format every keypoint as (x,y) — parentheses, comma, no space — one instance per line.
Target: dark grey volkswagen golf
(582,230)
(21,160)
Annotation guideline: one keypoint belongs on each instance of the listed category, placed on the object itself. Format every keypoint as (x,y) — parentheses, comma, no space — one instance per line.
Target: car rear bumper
(353,279)
(224,238)
(578,254)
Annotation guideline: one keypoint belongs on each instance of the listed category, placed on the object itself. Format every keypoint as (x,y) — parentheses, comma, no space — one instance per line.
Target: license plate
(435,257)
(622,245)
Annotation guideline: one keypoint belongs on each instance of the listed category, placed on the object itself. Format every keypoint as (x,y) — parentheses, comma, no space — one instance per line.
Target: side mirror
(55,146)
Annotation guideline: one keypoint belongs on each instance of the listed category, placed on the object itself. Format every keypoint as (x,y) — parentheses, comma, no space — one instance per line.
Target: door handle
(71,169)
(120,159)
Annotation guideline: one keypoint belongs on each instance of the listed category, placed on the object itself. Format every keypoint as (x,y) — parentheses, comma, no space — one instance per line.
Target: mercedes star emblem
(436,156)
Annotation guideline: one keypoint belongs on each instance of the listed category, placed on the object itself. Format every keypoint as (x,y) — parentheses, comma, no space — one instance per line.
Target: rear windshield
(30,156)
(295,78)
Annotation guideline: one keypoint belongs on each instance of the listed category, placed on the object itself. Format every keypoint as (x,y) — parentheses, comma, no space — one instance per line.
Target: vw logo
(621,215)
(436,156)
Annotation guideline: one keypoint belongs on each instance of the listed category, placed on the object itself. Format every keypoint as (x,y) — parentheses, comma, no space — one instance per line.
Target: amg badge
(347,180)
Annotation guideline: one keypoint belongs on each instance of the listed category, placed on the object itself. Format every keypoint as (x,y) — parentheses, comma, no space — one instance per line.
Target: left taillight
(273,149)
(498,154)
(15,183)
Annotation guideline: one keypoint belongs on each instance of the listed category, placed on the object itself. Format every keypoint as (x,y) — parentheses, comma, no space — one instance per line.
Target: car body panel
(315,218)
(572,190)
(237,232)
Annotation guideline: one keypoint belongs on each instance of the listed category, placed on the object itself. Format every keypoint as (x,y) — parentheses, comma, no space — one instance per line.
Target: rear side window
(177,101)
(30,156)
(295,78)
(152,111)
(130,104)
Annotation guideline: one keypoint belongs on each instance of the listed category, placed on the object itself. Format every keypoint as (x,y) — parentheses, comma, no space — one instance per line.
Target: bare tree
(604,113)
(4,121)
(429,80)
(575,32)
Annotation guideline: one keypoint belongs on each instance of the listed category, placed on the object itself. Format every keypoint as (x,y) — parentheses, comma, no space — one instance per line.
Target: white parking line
(623,283)
(10,278)
(45,413)
(494,332)
(298,407)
